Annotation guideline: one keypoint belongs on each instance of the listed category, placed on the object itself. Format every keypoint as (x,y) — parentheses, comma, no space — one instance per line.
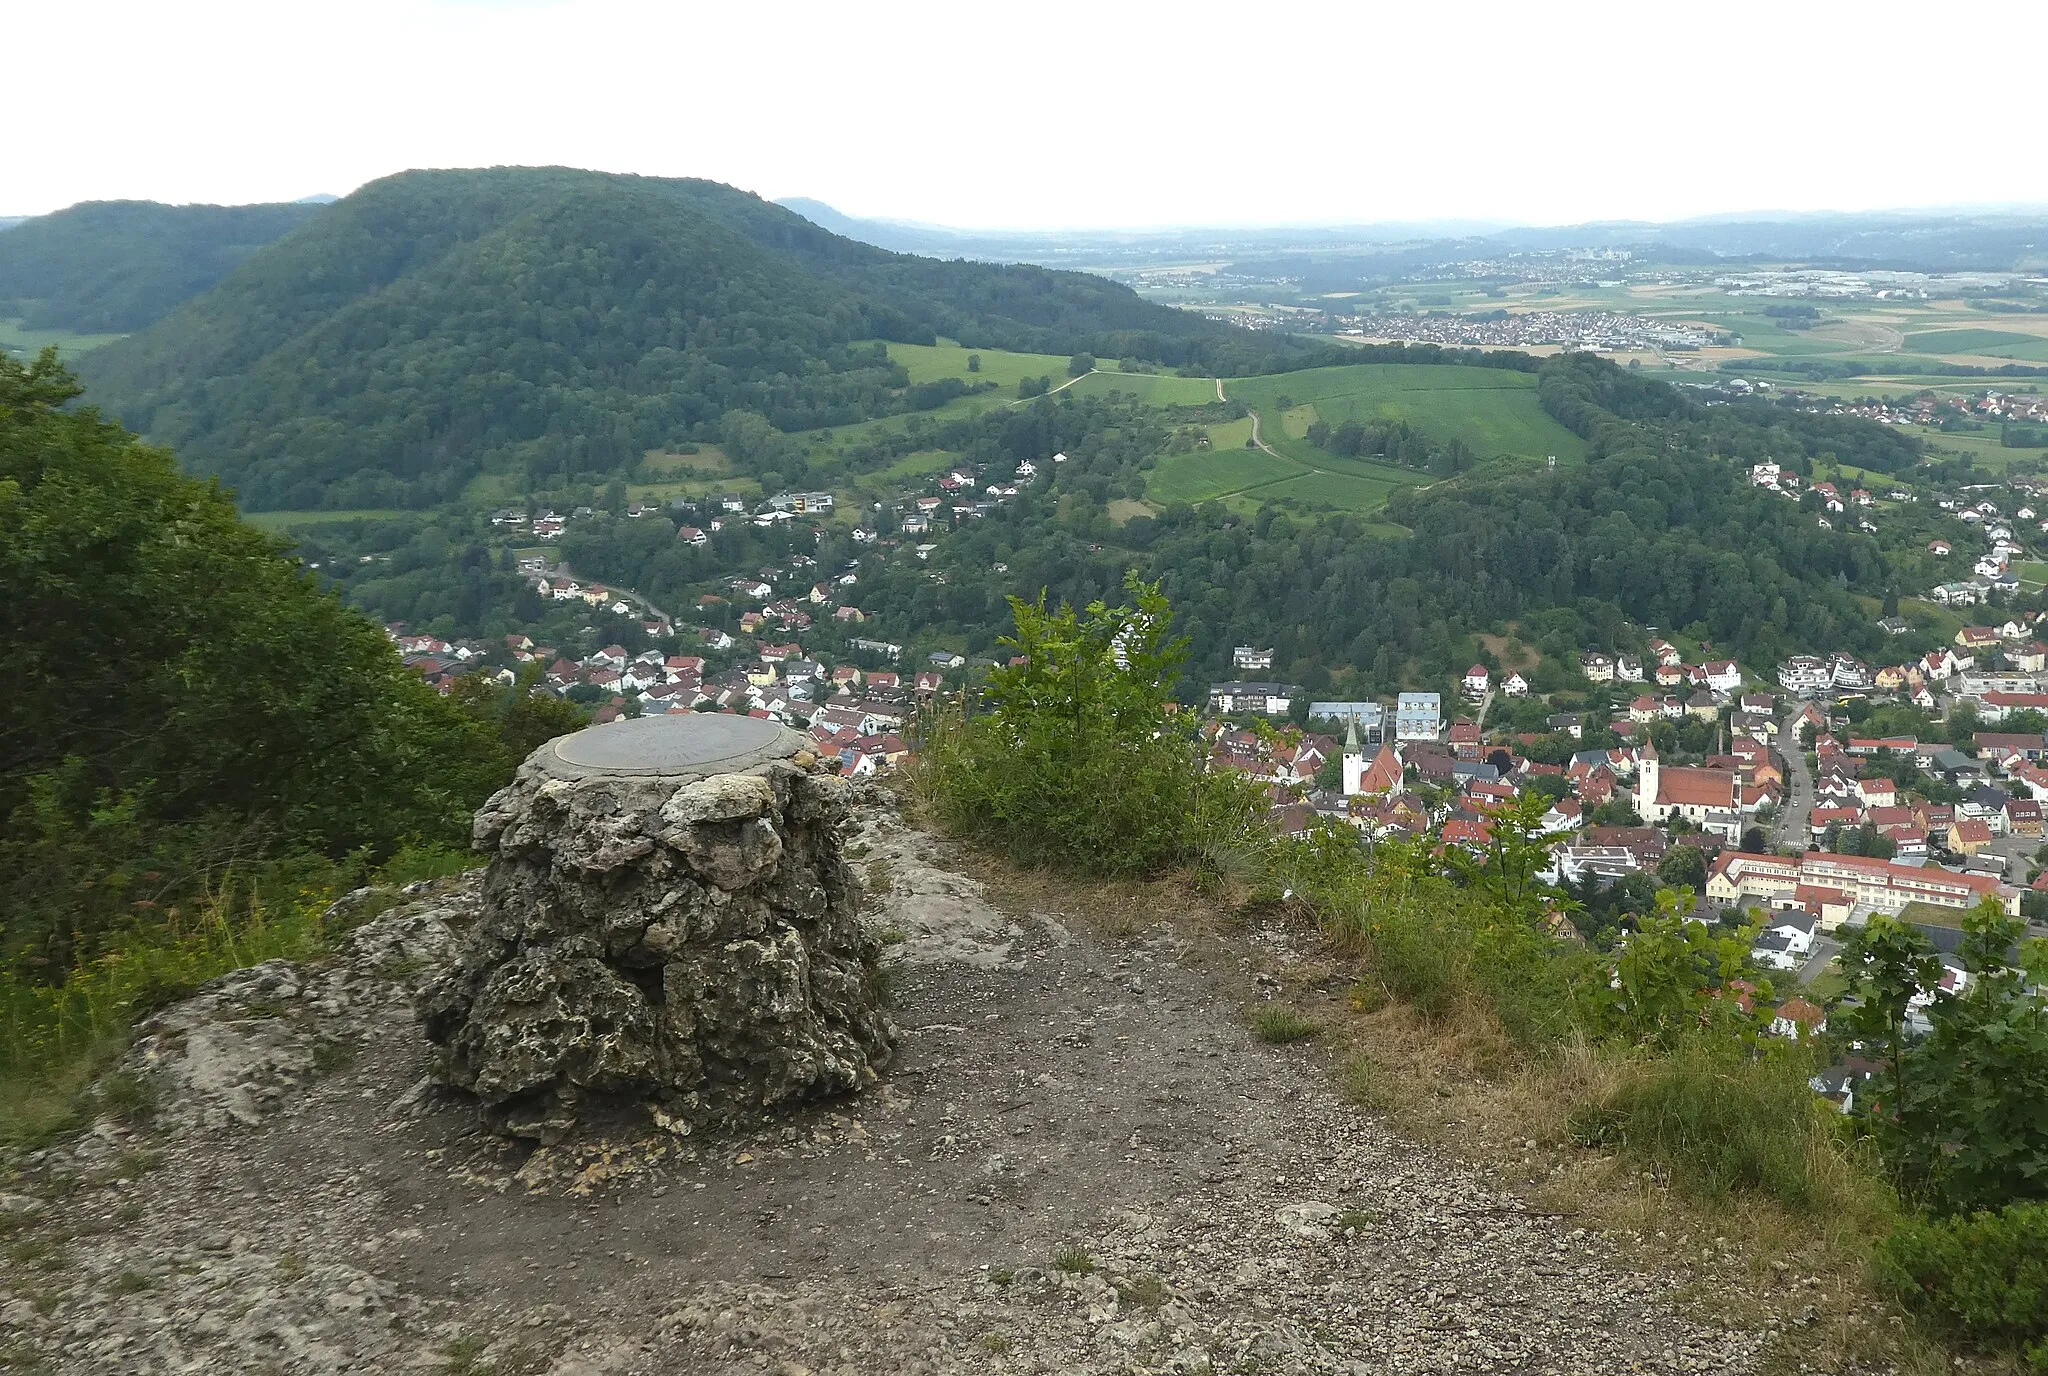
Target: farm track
(1259,442)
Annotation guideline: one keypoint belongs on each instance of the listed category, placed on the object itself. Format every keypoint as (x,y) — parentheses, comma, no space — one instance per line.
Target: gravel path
(1082,1163)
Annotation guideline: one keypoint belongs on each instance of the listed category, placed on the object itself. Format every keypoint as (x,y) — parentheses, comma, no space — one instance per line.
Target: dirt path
(1256,440)
(1083,1163)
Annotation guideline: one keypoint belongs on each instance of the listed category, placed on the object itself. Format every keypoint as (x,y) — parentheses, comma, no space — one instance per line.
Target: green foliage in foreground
(181,697)
(199,747)
(1961,1111)
(1982,1278)
(1073,759)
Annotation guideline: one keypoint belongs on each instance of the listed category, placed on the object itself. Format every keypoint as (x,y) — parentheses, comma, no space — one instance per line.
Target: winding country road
(1256,440)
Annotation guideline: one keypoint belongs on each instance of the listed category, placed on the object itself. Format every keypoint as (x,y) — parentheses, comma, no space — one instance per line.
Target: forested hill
(1660,526)
(108,267)
(436,322)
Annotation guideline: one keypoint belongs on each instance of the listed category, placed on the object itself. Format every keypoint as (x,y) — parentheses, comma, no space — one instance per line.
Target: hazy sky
(1098,114)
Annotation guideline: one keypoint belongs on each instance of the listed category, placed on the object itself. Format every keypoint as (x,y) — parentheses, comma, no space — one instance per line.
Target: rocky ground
(1081,1162)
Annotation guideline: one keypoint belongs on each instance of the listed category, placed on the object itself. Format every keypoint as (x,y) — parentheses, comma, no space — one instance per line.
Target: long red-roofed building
(1879,885)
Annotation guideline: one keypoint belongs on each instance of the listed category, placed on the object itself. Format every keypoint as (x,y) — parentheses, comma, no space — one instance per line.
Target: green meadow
(15,338)
(1994,343)
(1150,389)
(1492,410)
(1207,475)
(931,362)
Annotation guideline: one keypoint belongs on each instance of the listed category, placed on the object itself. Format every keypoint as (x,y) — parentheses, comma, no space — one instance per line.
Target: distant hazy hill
(105,267)
(895,235)
(1925,240)
(434,322)
(10,221)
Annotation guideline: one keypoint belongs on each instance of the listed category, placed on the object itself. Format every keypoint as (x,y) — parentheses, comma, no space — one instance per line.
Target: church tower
(1354,760)
(1646,779)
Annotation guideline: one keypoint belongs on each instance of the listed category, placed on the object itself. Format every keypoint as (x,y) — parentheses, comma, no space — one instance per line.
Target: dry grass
(1458,1083)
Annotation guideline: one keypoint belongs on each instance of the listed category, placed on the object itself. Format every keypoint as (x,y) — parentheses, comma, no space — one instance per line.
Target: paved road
(1792,828)
(1485,706)
(563,570)
(1824,951)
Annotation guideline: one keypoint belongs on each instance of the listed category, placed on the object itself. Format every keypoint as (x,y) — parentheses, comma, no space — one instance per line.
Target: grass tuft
(1073,1261)
(1282,1025)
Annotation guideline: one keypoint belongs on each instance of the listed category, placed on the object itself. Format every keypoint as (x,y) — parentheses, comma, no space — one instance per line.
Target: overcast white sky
(1043,116)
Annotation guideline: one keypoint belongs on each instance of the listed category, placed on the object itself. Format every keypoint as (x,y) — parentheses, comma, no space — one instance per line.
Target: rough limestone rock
(667,921)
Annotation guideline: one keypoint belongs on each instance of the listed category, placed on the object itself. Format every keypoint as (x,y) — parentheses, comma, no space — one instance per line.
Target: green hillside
(1492,411)
(109,267)
(558,324)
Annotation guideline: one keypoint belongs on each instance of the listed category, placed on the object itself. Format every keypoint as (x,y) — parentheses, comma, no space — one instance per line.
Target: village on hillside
(1801,796)
(1796,803)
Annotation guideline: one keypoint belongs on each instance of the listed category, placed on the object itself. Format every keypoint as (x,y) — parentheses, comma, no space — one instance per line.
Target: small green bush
(1983,1278)
(1072,760)
(1073,1260)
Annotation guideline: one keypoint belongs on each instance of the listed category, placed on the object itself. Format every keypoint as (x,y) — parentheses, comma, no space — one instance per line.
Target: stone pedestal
(668,923)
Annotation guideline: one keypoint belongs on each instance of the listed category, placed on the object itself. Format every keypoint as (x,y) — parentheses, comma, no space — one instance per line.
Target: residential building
(1806,675)
(1369,717)
(1418,716)
(1871,885)
(1269,699)
(1248,659)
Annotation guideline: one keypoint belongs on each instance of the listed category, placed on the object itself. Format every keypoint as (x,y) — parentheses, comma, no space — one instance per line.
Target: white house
(1723,676)
(1515,686)
(1477,681)
(1251,657)
(1786,941)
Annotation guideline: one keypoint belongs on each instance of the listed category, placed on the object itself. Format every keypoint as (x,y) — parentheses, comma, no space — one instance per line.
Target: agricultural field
(708,462)
(15,339)
(931,362)
(1493,411)
(841,437)
(1211,474)
(1245,479)
(2026,348)
(1150,389)
(1981,446)
(918,465)
(1340,491)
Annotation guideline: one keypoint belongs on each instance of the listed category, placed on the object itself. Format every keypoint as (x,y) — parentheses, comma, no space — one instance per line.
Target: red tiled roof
(1696,787)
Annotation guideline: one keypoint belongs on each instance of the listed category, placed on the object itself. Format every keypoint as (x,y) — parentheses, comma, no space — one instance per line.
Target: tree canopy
(436,324)
(106,267)
(179,691)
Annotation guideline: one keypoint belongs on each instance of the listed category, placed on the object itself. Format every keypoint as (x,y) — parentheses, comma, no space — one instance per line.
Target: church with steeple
(1710,799)
(1382,776)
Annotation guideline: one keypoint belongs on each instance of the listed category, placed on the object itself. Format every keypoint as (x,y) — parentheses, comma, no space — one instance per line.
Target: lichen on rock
(687,945)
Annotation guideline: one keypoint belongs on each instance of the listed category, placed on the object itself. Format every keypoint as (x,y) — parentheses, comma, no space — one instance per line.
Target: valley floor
(1082,1162)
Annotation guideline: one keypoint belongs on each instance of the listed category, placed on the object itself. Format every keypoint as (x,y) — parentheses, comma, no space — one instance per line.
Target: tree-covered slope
(183,699)
(107,267)
(434,323)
